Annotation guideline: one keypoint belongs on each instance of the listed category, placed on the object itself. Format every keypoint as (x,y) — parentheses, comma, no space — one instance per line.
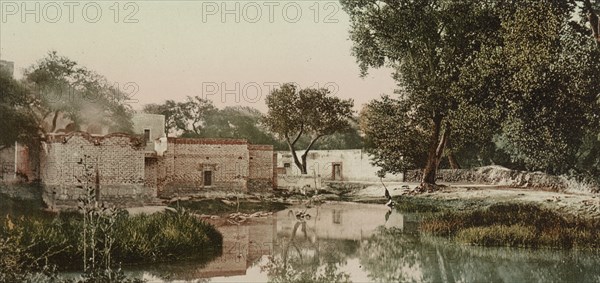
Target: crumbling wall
(7,164)
(186,160)
(115,163)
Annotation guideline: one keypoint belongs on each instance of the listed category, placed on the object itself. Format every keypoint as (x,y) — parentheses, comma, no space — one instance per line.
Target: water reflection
(340,242)
(397,257)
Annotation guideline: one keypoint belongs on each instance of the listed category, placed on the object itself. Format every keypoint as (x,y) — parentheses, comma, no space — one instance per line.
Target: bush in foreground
(32,243)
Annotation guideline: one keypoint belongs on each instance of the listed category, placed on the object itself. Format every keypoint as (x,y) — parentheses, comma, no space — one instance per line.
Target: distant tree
(348,139)
(309,112)
(65,89)
(240,122)
(18,119)
(186,119)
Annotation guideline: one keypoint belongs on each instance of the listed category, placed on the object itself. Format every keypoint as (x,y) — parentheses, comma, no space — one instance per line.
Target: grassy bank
(220,207)
(34,242)
(515,225)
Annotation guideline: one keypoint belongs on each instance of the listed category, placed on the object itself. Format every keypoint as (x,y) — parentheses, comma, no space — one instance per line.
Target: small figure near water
(389,202)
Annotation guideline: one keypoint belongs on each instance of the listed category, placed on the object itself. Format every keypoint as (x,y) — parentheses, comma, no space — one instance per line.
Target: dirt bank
(461,196)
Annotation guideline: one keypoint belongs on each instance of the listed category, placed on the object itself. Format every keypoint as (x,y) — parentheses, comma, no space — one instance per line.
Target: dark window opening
(337,172)
(287,165)
(208,178)
(337,216)
(147,135)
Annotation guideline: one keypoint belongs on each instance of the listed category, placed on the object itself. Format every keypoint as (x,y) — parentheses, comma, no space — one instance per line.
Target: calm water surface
(365,243)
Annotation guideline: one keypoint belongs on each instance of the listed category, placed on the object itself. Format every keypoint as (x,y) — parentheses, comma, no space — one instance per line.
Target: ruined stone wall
(186,161)
(260,176)
(115,163)
(7,164)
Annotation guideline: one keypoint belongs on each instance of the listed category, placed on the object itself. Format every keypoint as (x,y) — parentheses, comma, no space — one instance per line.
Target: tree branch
(299,134)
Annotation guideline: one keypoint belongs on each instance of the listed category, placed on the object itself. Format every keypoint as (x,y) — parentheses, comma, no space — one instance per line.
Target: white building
(352,165)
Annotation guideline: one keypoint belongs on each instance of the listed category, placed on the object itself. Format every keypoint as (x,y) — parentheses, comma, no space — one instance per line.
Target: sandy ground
(586,205)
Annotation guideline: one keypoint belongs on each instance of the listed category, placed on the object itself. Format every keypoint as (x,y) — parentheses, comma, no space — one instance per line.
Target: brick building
(134,169)
(189,165)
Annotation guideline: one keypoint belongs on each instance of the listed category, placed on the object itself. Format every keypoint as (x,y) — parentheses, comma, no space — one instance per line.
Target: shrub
(166,236)
(515,225)
(499,235)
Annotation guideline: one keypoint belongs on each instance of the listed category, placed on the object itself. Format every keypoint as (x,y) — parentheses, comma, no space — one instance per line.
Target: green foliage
(308,112)
(499,235)
(518,225)
(426,43)
(394,137)
(239,122)
(137,239)
(511,83)
(18,119)
(406,204)
(198,118)
(165,237)
(62,88)
(540,83)
(183,118)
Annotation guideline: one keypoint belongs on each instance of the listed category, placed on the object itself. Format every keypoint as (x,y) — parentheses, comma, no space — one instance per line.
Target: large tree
(426,42)
(394,136)
(309,112)
(18,119)
(64,89)
(541,80)
(479,76)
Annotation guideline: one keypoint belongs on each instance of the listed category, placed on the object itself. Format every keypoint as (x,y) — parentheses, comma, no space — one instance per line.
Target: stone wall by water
(498,175)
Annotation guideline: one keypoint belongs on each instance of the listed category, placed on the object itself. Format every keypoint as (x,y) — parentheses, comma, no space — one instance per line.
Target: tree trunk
(295,156)
(293,149)
(430,168)
(54,121)
(305,154)
(594,21)
(303,165)
(451,157)
(453,162)
(439,152)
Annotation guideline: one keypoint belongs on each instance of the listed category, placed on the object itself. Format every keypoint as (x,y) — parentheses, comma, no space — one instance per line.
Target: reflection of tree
(304,259)
(393,256)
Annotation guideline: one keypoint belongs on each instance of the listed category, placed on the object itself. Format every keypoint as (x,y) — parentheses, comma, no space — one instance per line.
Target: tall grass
(516,225)
(165,237)
(138,239)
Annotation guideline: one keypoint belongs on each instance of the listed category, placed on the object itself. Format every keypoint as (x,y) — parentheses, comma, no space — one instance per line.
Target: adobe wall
(181,171)
(115,165)
(355,165)
(260,176)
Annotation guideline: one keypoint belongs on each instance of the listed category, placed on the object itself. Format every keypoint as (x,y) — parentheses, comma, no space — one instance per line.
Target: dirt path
(464,196)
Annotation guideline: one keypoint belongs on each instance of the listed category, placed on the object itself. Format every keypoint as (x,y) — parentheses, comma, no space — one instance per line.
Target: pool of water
(364,243)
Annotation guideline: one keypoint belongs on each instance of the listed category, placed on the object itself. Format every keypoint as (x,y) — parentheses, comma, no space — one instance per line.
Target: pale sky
(171,49)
